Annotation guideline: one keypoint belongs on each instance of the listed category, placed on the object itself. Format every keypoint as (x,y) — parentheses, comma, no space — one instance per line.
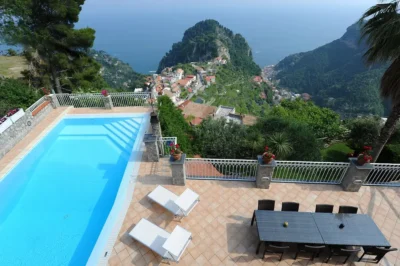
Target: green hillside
(116,73)
(335,75)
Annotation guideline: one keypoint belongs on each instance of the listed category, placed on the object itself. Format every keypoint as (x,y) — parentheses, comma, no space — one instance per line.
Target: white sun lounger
(168,246)
(178,205)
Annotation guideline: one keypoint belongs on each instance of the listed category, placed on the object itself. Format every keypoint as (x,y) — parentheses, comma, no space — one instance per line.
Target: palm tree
(280,145)
(380,27)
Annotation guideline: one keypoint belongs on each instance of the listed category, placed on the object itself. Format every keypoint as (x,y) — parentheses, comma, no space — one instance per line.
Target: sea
(141,32)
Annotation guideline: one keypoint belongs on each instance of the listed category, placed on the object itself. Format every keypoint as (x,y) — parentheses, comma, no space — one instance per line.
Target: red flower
(177,146)
(266,148)
(104,92)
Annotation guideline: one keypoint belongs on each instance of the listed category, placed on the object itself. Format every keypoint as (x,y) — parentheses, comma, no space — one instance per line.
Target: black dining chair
(327,208)
(290,206)
(314,250)
(271,248)
(264,205)
(378,252)
(342,251)
(348,209)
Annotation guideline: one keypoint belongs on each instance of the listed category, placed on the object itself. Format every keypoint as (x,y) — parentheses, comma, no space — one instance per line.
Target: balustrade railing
(309,172)
(164,145)
(221,169)
(122,99)
(384,174)
(96,100)
(31,108)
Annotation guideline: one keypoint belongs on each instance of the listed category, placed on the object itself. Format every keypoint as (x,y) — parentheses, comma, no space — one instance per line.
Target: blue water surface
(54,203)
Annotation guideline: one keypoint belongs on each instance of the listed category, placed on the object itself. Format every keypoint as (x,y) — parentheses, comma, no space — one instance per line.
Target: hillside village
(182,88)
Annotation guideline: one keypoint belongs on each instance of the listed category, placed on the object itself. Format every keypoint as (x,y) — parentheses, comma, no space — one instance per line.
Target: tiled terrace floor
(220,223)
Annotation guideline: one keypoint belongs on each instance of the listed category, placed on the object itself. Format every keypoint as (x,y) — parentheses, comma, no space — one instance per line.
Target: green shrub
(173,124)
(363,132)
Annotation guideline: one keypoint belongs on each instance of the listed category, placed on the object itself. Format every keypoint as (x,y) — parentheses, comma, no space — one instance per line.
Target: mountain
(336,76)
(116,73)
(209,39)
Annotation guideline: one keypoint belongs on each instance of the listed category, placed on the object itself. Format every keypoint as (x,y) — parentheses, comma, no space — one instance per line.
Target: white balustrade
(221,169)
(309,172)
(384,174)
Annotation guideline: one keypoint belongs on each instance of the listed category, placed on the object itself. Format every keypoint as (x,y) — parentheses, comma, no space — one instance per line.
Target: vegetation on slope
(336,76)
(235,88)
(116,73)
(16,94)
(207,40)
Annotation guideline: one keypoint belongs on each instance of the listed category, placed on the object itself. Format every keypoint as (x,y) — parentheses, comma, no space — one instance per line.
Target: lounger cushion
(151,236)
(165,198)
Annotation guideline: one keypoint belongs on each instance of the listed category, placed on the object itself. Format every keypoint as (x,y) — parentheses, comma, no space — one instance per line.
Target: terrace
(229,191)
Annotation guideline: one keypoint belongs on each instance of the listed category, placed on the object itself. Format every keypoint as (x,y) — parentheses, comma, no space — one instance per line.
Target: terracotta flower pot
(361,161)
(267,160)
(177,156)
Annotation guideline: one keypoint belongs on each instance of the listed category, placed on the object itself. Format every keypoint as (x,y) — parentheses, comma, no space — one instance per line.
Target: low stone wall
(15,133)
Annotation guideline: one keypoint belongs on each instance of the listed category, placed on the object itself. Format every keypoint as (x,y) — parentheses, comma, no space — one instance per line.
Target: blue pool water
(55,202)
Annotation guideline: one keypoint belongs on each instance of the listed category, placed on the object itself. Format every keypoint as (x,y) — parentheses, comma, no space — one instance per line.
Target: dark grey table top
(301,227)
(358,230)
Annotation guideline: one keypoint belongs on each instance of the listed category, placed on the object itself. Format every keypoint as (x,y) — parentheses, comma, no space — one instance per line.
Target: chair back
(277,249)
(266,205)
(313,249)
(327,208)
(346,252)
(382,251)
(290,206)
(348,209)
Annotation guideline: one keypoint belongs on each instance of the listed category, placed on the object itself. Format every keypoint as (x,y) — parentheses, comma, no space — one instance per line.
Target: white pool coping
(105,242)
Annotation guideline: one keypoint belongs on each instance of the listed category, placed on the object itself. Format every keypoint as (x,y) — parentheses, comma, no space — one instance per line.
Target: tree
(11,52)
(383,37)
(280,145)
(16,94)
(324,122)
(222,139)
(173,123)
(306,147)
(46,27)
(363,132)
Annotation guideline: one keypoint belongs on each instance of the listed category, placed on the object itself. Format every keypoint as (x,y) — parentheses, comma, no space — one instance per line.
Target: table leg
(258,247)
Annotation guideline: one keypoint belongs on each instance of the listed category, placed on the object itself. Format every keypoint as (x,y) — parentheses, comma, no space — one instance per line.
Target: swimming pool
(56,202)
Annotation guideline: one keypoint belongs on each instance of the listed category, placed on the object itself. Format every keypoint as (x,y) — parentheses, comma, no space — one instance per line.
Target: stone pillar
(155,124)
(150,141)
(178,171)
(264,173)
(107,102)
(53,100)
(355,175)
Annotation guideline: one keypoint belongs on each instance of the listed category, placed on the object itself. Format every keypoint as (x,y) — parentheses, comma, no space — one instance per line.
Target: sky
(140,32)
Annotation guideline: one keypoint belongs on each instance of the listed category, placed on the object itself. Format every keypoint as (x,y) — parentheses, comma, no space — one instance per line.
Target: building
(209,80)
(197,111)
(179,73)
(258,79)
(228,113)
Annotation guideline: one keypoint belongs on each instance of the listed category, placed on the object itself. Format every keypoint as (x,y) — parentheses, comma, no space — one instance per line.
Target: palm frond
(390,82)
(380,28)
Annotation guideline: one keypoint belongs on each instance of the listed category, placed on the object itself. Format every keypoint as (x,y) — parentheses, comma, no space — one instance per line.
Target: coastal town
(182,89)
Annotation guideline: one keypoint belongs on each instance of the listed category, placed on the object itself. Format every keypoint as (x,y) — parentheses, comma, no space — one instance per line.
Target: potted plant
(15,114)
(267,155)
(365,156)
(105,93)
(176,152)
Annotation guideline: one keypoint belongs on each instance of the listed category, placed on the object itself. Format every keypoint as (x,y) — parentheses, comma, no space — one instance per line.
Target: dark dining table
(318,228)
(358,230)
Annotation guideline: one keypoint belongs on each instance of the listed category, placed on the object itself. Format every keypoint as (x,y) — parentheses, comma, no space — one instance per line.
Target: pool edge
(103,248)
